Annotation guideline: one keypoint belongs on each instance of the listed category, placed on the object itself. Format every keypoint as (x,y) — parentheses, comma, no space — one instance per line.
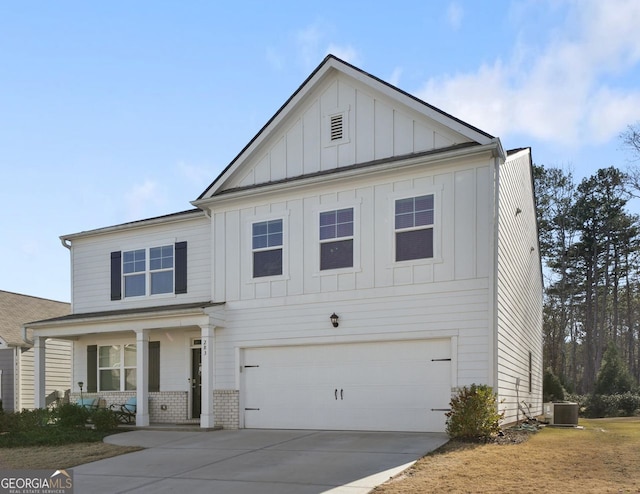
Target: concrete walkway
(254,461)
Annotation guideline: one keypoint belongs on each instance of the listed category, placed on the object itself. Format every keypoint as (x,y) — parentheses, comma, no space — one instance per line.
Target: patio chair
(88,403)
(126,412)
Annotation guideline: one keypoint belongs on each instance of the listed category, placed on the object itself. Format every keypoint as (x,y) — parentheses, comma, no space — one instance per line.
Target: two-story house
(362,257)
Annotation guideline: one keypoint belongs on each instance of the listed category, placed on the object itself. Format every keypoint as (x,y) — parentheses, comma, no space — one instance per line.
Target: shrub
(616,405)
(70,415)
(27,419)
(104,419)
(552,389)
(628,403)
(614,376)
(473,414)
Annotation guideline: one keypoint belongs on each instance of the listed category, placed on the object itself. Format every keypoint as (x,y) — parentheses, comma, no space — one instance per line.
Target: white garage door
(388,386)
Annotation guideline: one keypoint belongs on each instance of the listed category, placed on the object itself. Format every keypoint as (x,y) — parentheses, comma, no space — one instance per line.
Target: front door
(196,382)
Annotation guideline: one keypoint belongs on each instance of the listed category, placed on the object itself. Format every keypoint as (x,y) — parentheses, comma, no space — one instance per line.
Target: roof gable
(339,117)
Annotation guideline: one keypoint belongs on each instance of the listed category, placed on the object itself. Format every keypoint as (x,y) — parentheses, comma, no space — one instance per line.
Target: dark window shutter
(181,267)
(92,369)
(116,277)
(154,366)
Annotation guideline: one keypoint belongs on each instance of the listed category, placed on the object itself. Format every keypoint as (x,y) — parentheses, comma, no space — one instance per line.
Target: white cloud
(142,198)
(274,59)
(612,113)
(197,176)
(394,79)
(308,40)
(454,15)
(346,53)
(563,91)
(313,46)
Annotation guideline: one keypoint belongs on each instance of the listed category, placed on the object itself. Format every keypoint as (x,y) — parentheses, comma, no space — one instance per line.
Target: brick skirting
(226,404)
(172,407)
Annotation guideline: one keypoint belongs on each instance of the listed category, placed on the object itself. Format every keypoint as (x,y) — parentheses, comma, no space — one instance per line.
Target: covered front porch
(164,356)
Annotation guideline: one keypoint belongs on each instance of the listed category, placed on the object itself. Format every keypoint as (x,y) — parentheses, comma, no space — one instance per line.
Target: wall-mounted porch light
(334,319)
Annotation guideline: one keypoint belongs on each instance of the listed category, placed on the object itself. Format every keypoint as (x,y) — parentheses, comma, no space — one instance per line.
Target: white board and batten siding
(91,262)
(429,304)
(375,127)
(462,236)
(381,303)
(519,311)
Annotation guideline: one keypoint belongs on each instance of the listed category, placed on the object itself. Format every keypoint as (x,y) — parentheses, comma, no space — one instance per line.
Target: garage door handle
(341,395)
(335,393)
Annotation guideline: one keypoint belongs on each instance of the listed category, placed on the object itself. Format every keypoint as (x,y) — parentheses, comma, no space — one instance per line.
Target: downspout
(24,336)
(494,274)
(66,243)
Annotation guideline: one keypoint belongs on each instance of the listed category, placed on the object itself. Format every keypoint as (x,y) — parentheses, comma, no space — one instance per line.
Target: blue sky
(116,111)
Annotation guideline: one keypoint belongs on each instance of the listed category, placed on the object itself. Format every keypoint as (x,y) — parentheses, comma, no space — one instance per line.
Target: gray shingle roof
(17,309)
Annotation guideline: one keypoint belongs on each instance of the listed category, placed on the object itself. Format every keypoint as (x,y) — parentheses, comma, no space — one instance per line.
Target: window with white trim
(117,367)
(134,267)
(153,277)
(414,220)
(336,239)
(267,239)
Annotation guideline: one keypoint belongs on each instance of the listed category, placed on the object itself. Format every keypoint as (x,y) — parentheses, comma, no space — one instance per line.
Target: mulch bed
(514,435)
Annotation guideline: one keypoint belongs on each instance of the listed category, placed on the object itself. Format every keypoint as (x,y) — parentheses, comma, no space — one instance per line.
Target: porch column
(142,377)
(207,379)
(39,385)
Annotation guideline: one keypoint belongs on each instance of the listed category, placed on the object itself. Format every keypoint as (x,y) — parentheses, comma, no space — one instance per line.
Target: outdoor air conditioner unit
(561,413)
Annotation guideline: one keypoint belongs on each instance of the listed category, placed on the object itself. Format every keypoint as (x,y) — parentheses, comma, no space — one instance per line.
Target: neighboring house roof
(17,309)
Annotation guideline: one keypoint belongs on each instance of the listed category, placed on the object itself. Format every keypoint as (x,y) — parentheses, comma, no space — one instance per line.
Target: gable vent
(336,127)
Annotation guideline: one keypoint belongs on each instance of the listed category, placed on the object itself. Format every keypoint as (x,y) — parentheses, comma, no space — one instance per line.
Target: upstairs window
(154,271)
(336,239)
(161,269)
(414,217)
(155,277)
(134,267)
(267,237)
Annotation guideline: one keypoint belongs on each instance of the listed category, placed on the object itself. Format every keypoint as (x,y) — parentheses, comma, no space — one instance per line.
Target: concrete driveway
(254,461)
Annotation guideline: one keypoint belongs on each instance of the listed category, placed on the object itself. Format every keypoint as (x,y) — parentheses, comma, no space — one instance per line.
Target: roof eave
(158,220)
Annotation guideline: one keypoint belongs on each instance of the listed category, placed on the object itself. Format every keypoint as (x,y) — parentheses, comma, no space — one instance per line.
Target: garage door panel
(367,386)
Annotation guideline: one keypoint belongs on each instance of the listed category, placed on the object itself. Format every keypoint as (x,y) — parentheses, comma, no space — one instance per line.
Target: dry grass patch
(59,457)
(602,457)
